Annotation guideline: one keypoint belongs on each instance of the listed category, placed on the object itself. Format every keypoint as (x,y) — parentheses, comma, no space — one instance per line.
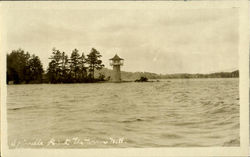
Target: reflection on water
(173,113)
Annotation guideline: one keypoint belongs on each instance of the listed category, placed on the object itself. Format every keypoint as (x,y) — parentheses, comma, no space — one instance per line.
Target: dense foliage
(94,62)
(76,69)
(23,68)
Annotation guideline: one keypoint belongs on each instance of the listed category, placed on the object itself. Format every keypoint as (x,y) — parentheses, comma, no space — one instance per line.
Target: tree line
(22,67)
(78,68)
(141,75)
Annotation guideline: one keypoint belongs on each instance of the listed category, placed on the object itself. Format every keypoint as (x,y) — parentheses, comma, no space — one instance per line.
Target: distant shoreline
(126,81)
(24,68)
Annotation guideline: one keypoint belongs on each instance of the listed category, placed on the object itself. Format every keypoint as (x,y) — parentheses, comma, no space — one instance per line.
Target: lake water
(169,113)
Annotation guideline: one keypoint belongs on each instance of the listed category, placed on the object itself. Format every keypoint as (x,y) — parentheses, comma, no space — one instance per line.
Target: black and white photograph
(113,76)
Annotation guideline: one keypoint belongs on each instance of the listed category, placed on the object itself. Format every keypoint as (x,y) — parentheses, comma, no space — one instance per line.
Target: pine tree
(54,68)
(83,69)
(93,59)
(75,64)
(35,69)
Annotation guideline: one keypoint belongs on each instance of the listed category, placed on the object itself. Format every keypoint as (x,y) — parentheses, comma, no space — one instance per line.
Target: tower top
(115,58)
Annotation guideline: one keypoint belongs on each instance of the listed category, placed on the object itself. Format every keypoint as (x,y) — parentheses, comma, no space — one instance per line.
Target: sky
(154,40)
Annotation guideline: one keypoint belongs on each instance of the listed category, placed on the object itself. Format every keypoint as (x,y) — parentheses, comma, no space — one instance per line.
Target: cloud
(161,41)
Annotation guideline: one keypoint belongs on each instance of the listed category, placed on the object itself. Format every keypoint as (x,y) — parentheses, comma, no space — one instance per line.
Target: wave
(171,136)
(132,120)
(232,142)
(22,108)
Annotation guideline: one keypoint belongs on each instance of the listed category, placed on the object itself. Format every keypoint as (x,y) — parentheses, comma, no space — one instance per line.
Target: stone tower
(116,62)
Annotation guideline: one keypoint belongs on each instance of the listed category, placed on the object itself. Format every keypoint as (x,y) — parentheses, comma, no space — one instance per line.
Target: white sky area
(160,41)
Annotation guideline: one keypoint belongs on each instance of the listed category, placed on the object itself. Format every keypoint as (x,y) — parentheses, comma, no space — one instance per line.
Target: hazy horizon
(158,41)
(226,70)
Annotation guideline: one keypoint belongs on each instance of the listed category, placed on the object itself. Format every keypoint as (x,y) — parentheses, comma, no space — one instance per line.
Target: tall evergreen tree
(35,69)
(93,59)
(83,68)
(74,64)
(54,68)
(63,65)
